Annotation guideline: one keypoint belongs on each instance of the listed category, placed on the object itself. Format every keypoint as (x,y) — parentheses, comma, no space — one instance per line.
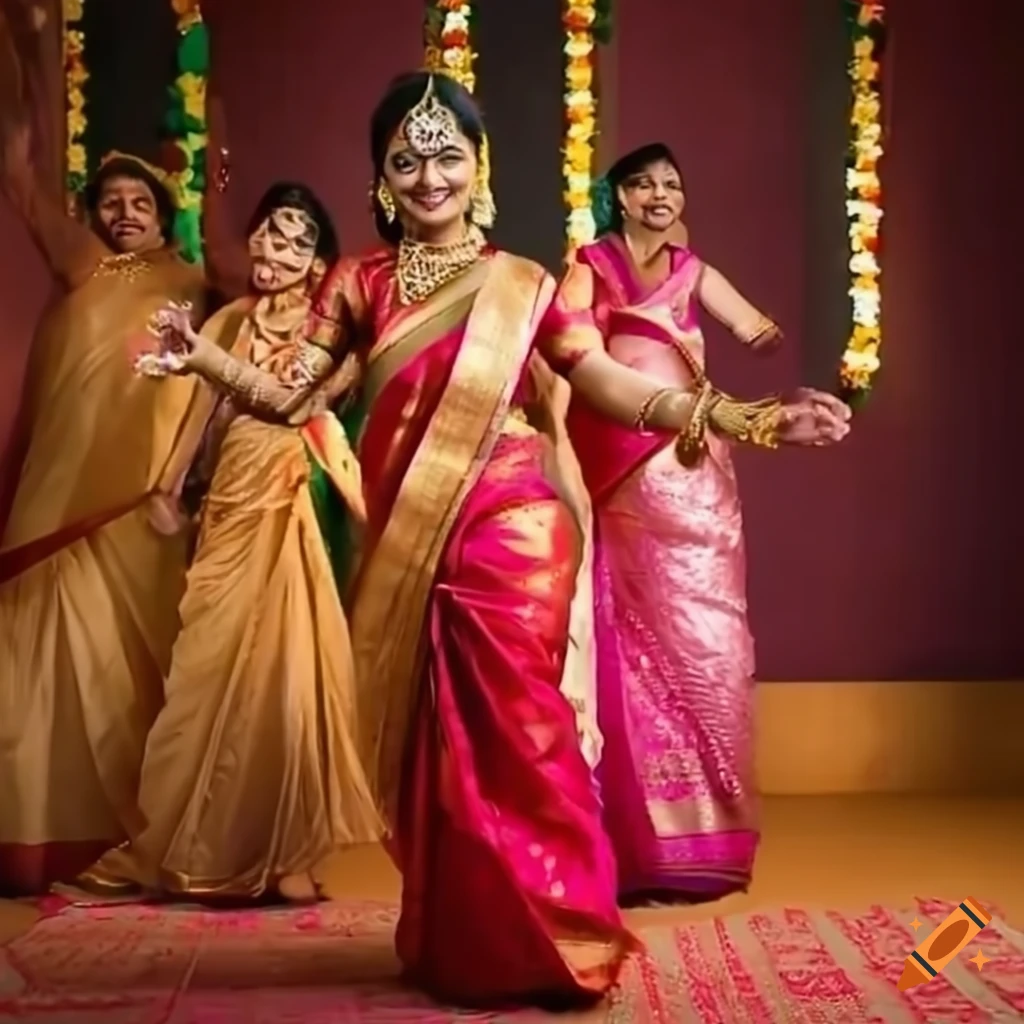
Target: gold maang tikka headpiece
(430,126)
(483,210)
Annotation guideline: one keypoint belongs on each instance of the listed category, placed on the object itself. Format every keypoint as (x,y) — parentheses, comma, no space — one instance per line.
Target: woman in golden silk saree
(251,774)
(91,565)
(675,654)
(460,610)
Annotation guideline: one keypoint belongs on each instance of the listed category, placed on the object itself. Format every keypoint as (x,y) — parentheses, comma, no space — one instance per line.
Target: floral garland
(580,121)
(76,162)
(864,198)
(447,39)
(186,123)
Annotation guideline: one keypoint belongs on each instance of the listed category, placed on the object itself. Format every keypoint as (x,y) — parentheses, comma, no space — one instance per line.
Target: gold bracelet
(647,407)
(691,441)
(763,326)
(231,372)
(755,423)
(312,363)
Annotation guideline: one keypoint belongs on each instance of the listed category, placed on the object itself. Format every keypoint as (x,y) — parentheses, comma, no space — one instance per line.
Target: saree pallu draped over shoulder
(460,627)
(675,655)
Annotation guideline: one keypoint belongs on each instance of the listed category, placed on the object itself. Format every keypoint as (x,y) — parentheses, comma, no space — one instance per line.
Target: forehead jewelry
(430,126)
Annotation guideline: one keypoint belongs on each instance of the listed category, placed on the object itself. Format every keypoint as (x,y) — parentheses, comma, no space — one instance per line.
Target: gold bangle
(647,407)
(755,423)
(763,326)
(691,441)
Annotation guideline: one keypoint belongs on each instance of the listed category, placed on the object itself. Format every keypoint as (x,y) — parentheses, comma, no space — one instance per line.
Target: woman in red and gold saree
(675,654)
(460,613)
(460,619)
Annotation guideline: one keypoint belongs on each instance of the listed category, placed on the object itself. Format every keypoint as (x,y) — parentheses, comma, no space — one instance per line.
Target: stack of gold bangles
(755,423)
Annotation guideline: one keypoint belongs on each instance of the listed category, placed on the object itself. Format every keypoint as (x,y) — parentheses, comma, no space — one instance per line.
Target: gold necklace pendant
(125,264)
(423,268)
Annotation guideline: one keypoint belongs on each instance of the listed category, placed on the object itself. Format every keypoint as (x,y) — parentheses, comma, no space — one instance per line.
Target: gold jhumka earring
(482,209)
(387,201)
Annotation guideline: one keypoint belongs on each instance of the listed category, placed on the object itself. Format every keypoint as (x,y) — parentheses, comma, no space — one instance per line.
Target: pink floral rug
(333,964)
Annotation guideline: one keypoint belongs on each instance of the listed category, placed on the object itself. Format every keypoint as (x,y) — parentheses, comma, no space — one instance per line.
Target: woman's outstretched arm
(320,353)
(226,255)
(70,248)
(569,339)
(747,323)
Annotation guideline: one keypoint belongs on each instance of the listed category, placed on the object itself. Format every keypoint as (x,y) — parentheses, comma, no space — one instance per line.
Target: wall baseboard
(920,738)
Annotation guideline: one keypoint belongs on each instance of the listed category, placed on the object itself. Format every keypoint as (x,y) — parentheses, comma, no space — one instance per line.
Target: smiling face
(654,196)
(283,249)
(127,215)
(432,192)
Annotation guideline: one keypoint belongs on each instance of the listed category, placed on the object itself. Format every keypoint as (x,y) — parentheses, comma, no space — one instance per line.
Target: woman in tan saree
(90,577)
(461,611)
(251,774)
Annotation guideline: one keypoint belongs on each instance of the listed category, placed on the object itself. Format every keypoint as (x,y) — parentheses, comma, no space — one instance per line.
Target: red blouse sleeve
(568,330)
(340,312)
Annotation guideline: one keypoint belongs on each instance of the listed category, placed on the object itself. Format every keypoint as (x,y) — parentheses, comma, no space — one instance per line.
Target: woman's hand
(814,418)
(181,347)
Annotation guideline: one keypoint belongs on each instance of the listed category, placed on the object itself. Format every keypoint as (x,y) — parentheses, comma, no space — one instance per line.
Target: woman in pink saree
(461,602)
(675,655)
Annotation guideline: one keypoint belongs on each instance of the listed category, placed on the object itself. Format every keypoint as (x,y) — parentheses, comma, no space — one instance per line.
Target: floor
(842,852)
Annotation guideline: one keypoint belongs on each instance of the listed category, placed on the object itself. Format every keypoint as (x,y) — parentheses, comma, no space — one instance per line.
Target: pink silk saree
(675,655)
(460,625)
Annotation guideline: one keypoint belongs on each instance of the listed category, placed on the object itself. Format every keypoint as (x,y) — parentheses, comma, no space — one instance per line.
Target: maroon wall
(298,92)
(901,555)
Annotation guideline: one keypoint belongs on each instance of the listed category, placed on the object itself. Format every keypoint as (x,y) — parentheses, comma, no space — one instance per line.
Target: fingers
(835,405)
(792,411)
(830,426)
(823,400)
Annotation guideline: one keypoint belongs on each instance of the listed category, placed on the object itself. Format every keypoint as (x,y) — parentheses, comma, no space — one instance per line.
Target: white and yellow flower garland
(580,121)
(448,43)
(864,199)
(76,163)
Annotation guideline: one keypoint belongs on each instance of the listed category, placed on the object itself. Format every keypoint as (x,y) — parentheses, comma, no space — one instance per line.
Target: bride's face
(431,192)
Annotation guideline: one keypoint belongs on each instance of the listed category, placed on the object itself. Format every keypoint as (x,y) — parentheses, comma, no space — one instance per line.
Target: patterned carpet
(333,964)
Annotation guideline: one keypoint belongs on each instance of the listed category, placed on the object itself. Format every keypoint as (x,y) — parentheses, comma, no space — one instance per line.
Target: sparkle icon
(980,959)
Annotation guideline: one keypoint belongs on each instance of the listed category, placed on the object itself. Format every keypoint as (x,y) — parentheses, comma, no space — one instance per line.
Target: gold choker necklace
(423,268)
